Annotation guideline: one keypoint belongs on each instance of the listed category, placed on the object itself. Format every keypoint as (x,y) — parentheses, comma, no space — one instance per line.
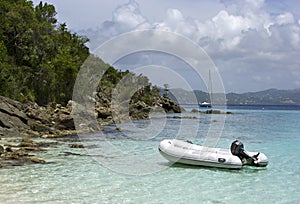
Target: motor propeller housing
(237,149)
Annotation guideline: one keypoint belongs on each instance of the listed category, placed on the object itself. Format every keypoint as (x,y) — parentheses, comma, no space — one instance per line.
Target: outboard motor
(237,149)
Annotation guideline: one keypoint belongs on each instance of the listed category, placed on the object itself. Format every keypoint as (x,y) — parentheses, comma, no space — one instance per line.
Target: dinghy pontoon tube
(178,151)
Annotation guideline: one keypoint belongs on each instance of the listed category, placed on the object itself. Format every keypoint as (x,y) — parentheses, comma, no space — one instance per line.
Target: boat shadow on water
(245,169)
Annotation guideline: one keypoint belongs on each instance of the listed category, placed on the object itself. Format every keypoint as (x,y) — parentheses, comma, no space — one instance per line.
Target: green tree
(39,59)
(166,90)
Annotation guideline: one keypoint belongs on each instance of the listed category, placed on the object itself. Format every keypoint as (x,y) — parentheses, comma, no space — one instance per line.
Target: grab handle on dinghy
(189,141)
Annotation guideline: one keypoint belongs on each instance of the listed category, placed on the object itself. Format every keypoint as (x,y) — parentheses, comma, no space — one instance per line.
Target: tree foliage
(40,59)
(127,86)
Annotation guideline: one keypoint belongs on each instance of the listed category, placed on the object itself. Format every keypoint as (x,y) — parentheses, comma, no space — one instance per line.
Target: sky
(254,44)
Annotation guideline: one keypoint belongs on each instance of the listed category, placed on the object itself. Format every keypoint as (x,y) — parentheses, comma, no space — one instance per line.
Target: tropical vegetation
(40,58)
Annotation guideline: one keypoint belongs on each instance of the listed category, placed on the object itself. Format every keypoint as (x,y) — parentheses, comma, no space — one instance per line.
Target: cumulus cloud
(249,18)
(128,16)
(228,28)
(285,18)
(243,34)
(125,18)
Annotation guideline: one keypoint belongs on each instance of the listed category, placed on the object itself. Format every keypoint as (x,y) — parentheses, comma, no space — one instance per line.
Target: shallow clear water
(125,167)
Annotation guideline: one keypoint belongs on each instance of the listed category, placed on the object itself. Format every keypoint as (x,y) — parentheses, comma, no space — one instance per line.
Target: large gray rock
(64,122)
(168,105)
(1,150)
(11,115)
(11,111)
(9,121)
(36,112)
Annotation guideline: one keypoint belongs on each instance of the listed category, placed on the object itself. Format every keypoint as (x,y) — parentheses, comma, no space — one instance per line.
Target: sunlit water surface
(126,167)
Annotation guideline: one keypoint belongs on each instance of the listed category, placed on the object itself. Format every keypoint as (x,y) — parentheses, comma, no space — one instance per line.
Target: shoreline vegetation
(40,62)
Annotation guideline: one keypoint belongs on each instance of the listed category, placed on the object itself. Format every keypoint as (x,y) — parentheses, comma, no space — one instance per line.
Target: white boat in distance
(208,104)
(205,105)
(178,151)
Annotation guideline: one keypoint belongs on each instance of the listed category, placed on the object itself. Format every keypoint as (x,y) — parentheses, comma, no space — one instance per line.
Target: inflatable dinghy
(185,152)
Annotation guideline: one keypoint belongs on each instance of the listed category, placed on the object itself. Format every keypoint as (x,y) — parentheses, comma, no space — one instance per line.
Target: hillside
(266,97)
(40,60)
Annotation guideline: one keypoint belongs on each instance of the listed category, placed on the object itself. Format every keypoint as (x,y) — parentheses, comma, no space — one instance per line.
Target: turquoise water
(125,167)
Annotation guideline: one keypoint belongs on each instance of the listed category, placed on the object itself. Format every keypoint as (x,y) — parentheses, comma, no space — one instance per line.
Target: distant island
(266,97)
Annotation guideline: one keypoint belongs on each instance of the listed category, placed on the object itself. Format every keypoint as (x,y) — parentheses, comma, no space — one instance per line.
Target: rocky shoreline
(25,127)
(23,123)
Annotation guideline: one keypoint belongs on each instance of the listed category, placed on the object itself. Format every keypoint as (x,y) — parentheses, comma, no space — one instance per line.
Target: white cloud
(241,36)
(285,18)
(174,16)
(255,4)
(176,22)
(128,16)
(295,36)
(228,26)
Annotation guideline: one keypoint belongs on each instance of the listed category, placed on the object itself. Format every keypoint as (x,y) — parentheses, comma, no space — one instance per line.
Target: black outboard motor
(237,149)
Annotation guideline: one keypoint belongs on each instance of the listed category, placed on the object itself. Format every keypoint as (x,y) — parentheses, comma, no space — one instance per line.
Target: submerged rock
(17,157)
(69,153)
(27,143)
(31,149)
(1,150)
(76,146)
(37,160)
(211,111)
(19,151)
(182,117)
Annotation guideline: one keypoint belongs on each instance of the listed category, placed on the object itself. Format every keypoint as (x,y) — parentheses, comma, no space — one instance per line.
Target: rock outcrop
(11,114)
(211,111)
(168,105)
(18,155)
(29,120)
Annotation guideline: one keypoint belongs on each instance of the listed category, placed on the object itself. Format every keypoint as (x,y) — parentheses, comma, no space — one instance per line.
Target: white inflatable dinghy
(184,152)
